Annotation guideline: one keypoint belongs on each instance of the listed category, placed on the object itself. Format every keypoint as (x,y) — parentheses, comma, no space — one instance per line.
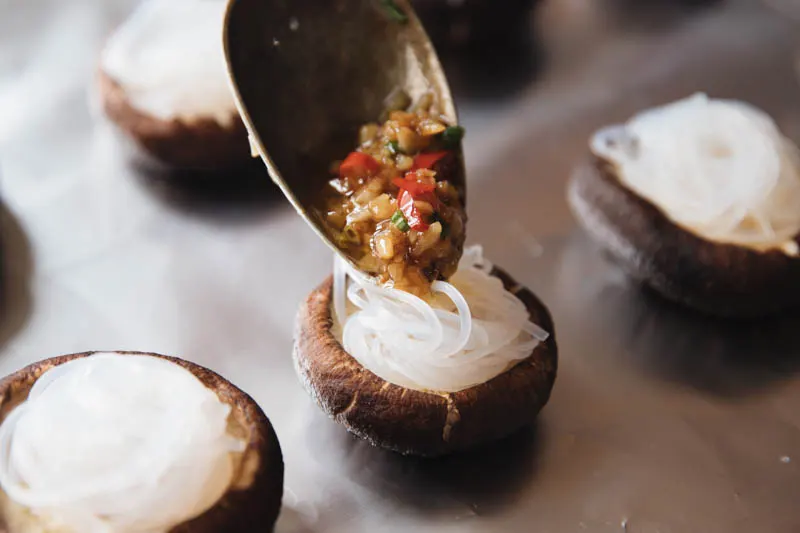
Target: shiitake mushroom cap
(203,144)
(414,422)
(253,500)
(716,278)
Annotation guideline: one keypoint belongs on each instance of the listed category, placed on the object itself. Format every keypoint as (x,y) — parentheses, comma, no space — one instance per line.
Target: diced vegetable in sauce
(392,204)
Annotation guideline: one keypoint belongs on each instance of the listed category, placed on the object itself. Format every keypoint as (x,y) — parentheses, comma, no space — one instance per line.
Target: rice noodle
(720,168)
(469,331)
(117,443)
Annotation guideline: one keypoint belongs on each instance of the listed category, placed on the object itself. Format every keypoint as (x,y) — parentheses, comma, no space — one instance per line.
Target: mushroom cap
(202,144)
(713,277)
(253,500)
(411,421)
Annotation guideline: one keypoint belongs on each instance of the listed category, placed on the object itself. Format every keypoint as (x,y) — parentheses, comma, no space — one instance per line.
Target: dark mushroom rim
(715,277)
(204,144)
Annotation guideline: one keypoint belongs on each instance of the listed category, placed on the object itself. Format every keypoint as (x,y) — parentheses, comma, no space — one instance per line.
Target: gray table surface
(660,421)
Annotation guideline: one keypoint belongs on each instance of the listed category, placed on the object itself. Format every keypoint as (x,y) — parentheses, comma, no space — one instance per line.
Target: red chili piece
(359,165)
(413,186)
(410,211)
(427,160)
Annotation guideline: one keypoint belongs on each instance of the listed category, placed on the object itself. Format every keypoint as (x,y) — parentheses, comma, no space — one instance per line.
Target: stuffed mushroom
(133,442)
(699,200)
(162,80)
(426,349)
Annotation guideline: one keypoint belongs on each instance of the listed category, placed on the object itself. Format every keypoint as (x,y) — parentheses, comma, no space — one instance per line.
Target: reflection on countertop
(642,331)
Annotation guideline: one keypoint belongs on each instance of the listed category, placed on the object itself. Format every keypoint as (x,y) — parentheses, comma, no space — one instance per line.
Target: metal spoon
(307,73)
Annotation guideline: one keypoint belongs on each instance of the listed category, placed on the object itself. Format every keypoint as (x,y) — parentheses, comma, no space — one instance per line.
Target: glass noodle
(469,331)
(721,168)
(141,446)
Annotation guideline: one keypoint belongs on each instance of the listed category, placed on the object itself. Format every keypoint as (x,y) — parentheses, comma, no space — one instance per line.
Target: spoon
(306,74)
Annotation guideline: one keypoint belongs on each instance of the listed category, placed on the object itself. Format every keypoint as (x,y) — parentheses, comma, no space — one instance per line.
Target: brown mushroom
(204,144)
(414,422)
(713,277)
(250,504)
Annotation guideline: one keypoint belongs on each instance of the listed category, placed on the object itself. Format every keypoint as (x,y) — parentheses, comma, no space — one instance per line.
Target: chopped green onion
(393,147)
(394,12)
(452,136)
(399,220)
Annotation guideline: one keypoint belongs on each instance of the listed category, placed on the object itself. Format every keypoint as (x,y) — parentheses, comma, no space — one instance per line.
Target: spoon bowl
(307,74)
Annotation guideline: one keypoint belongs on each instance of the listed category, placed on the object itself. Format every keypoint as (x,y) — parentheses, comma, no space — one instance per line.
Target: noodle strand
(423,344)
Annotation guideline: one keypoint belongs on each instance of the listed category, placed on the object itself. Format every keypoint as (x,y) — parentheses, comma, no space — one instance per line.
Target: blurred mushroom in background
(488,48)
(494,49)
(162,81)
(475,24)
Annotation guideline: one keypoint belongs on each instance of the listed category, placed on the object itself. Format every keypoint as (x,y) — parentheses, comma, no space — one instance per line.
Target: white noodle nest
(718,167)
(169,59)
(117,443)
(471,331)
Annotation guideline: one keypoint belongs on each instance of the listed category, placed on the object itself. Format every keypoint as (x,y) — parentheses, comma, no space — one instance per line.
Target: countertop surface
(660,421)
